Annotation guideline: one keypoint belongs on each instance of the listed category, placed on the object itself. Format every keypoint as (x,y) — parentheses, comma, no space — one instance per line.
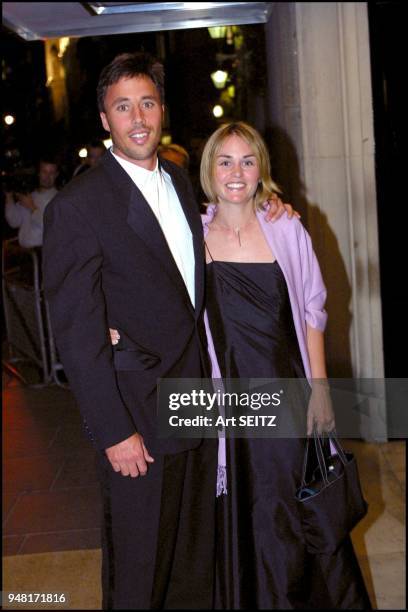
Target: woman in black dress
(265,306)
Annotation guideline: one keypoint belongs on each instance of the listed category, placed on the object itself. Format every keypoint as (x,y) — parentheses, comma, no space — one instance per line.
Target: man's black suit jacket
(107,264)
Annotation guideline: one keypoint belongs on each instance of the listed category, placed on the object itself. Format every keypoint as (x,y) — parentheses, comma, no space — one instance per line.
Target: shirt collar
(138,174)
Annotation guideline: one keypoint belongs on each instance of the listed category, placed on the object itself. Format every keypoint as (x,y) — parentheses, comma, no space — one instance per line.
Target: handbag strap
(305,458)
(320,456)
(332,435)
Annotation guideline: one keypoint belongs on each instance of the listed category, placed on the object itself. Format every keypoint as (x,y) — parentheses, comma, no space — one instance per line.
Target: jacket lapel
(192,214)
(143,222)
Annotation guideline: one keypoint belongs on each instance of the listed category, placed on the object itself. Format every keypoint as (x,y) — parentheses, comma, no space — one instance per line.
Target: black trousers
(158,533)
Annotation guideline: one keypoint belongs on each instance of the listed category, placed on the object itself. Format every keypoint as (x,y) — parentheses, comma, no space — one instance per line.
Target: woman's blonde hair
(266,187)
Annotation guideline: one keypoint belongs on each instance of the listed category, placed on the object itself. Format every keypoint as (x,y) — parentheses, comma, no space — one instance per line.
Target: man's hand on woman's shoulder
(275,209)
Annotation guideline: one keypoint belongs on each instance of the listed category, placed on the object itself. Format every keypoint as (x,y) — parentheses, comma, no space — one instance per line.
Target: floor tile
(395,454)
(385,492)
(49,511)
(12,545)
(384,535)
(79,539)
(23,407)
(76,574)
(29,441)
(401,476)
(78,470)
(388,579)
(369,458)
(70,438)
(31,473)
(9,498)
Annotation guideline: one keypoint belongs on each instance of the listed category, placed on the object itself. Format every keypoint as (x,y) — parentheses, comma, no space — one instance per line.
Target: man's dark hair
(130,65)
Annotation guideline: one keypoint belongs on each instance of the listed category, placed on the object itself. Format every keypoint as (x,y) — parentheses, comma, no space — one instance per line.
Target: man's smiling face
(133,116)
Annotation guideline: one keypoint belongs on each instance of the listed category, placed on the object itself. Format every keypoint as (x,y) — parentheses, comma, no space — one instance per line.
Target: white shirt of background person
(28,212)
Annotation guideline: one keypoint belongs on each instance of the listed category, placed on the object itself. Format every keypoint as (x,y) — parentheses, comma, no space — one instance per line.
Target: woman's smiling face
(236,171)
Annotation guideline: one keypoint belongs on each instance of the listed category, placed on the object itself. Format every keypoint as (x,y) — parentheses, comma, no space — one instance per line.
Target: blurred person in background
(25,210)
(176,154)
(95,151)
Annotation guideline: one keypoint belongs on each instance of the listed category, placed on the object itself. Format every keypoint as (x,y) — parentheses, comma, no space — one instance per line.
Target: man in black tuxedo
(123,248)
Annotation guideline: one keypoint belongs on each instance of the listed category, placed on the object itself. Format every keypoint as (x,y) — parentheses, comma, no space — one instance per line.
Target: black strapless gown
(262,562)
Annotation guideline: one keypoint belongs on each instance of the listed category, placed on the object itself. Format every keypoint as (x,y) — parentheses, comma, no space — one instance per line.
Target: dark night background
(189,58)
(387,39)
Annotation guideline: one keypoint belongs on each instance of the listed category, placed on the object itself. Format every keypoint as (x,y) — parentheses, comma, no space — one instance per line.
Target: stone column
(320,109)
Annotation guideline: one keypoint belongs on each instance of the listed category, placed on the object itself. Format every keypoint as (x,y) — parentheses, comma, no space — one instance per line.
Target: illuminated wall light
(82,153)
(231,91)
(230,35)
(166,139)
(63,44)
(218,111)
(9,119)
(217,31)
(108,143)
(219,78)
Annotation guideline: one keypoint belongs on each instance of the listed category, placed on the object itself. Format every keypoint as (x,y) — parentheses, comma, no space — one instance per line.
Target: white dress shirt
(158,190)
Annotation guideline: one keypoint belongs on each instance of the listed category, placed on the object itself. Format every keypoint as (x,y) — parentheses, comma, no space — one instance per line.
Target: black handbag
(330,502)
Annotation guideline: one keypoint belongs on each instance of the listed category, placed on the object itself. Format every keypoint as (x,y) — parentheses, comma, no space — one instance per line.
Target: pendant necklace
(236,230)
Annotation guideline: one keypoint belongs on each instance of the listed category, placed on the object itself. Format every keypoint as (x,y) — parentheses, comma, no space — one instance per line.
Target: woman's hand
(114,335)
(277,208)
(320,410)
